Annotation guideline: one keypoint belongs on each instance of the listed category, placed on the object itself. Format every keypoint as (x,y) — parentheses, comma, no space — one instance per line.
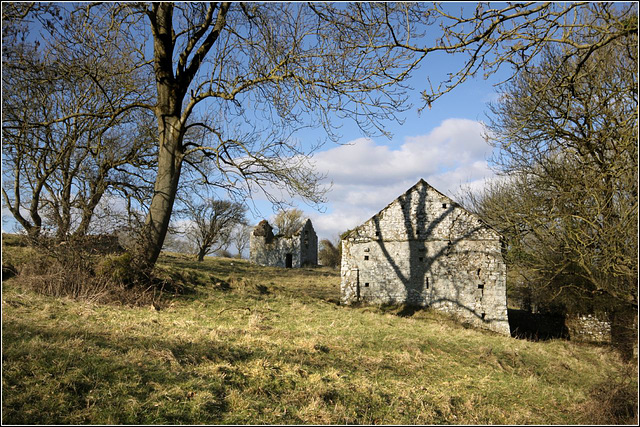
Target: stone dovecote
(301,249)
(424,249)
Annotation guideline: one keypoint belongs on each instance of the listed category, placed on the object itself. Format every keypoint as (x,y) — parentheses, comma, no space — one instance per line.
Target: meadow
(243,344)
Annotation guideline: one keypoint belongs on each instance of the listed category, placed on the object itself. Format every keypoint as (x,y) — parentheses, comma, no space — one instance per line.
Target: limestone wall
(278,251)
(424,214)
(425,250)
(274,253)
(308,245)
(589,328)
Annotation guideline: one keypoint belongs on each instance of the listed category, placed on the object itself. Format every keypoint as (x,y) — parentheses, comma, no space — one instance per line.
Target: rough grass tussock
(77,269)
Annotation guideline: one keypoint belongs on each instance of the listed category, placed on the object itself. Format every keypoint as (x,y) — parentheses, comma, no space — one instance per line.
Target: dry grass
(68,270)
(245,344)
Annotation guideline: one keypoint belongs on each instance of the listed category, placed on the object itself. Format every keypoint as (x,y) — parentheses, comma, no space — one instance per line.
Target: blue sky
(443,145)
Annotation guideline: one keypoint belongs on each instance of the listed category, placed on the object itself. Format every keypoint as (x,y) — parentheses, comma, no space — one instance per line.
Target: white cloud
(367,176)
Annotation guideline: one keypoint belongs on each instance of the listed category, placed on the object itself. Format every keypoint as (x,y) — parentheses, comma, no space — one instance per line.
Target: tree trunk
(624,331)
(201,253)
(165,188)
(172,89)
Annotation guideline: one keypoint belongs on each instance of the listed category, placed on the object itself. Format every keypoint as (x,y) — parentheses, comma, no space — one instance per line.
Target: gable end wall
(425,250)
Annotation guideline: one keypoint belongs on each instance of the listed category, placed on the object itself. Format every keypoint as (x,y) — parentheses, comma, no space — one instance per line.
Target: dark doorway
(537,326)
(288,262)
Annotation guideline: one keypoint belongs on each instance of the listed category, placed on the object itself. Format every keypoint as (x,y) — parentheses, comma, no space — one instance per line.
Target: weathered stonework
(423,249)
(589,328)
(296,251)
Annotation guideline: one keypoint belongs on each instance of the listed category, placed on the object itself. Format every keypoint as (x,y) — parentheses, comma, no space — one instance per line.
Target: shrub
(18,240)
(224,253)
(615,401)
(59,274)
(8,270)
(117,268)
(330,254)
(71,269)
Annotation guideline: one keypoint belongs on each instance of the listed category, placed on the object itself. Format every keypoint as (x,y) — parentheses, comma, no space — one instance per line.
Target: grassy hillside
(262,345)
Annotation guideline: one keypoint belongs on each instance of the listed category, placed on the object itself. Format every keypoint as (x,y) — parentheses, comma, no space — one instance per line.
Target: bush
(60,277)
(18,240)
(8,270)
(223,253)
(117,268)
(71,269)
(330,254)
(615,401)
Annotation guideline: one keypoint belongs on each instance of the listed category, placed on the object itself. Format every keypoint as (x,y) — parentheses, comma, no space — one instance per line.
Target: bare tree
(240,238)
(266,70)
(569,205)
(235,81)
(303,63)
(68,136)
(515,35)
(330,254)
(288,222)
(577,148)
(212,224)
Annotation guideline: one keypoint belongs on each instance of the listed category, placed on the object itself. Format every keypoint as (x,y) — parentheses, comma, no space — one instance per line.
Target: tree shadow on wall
(420,263)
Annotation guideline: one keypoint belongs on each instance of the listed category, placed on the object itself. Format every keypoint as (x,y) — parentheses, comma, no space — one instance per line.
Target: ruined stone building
(424,249)
(299,250)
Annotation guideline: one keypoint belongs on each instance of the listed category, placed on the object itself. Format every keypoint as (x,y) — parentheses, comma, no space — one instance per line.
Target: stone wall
(425,250)
(308,245)
(279,251)
(589,327)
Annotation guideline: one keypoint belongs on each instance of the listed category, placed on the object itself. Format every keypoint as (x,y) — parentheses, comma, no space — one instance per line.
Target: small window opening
(480,286)
(479,272)
(377,234)
(426,283)
(483,315)
(444,206)
(366,257)
(420,259)
(366,285)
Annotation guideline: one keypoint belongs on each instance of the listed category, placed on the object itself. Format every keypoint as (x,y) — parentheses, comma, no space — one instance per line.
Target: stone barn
(424,249)
(301,249)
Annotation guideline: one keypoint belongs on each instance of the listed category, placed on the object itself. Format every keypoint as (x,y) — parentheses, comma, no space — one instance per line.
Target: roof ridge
(423,182)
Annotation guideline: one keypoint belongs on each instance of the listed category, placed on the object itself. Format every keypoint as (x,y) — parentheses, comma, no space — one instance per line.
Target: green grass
(260,345)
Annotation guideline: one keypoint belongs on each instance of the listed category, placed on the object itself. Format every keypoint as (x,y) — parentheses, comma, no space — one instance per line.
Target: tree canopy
(567,134)
(288,222)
